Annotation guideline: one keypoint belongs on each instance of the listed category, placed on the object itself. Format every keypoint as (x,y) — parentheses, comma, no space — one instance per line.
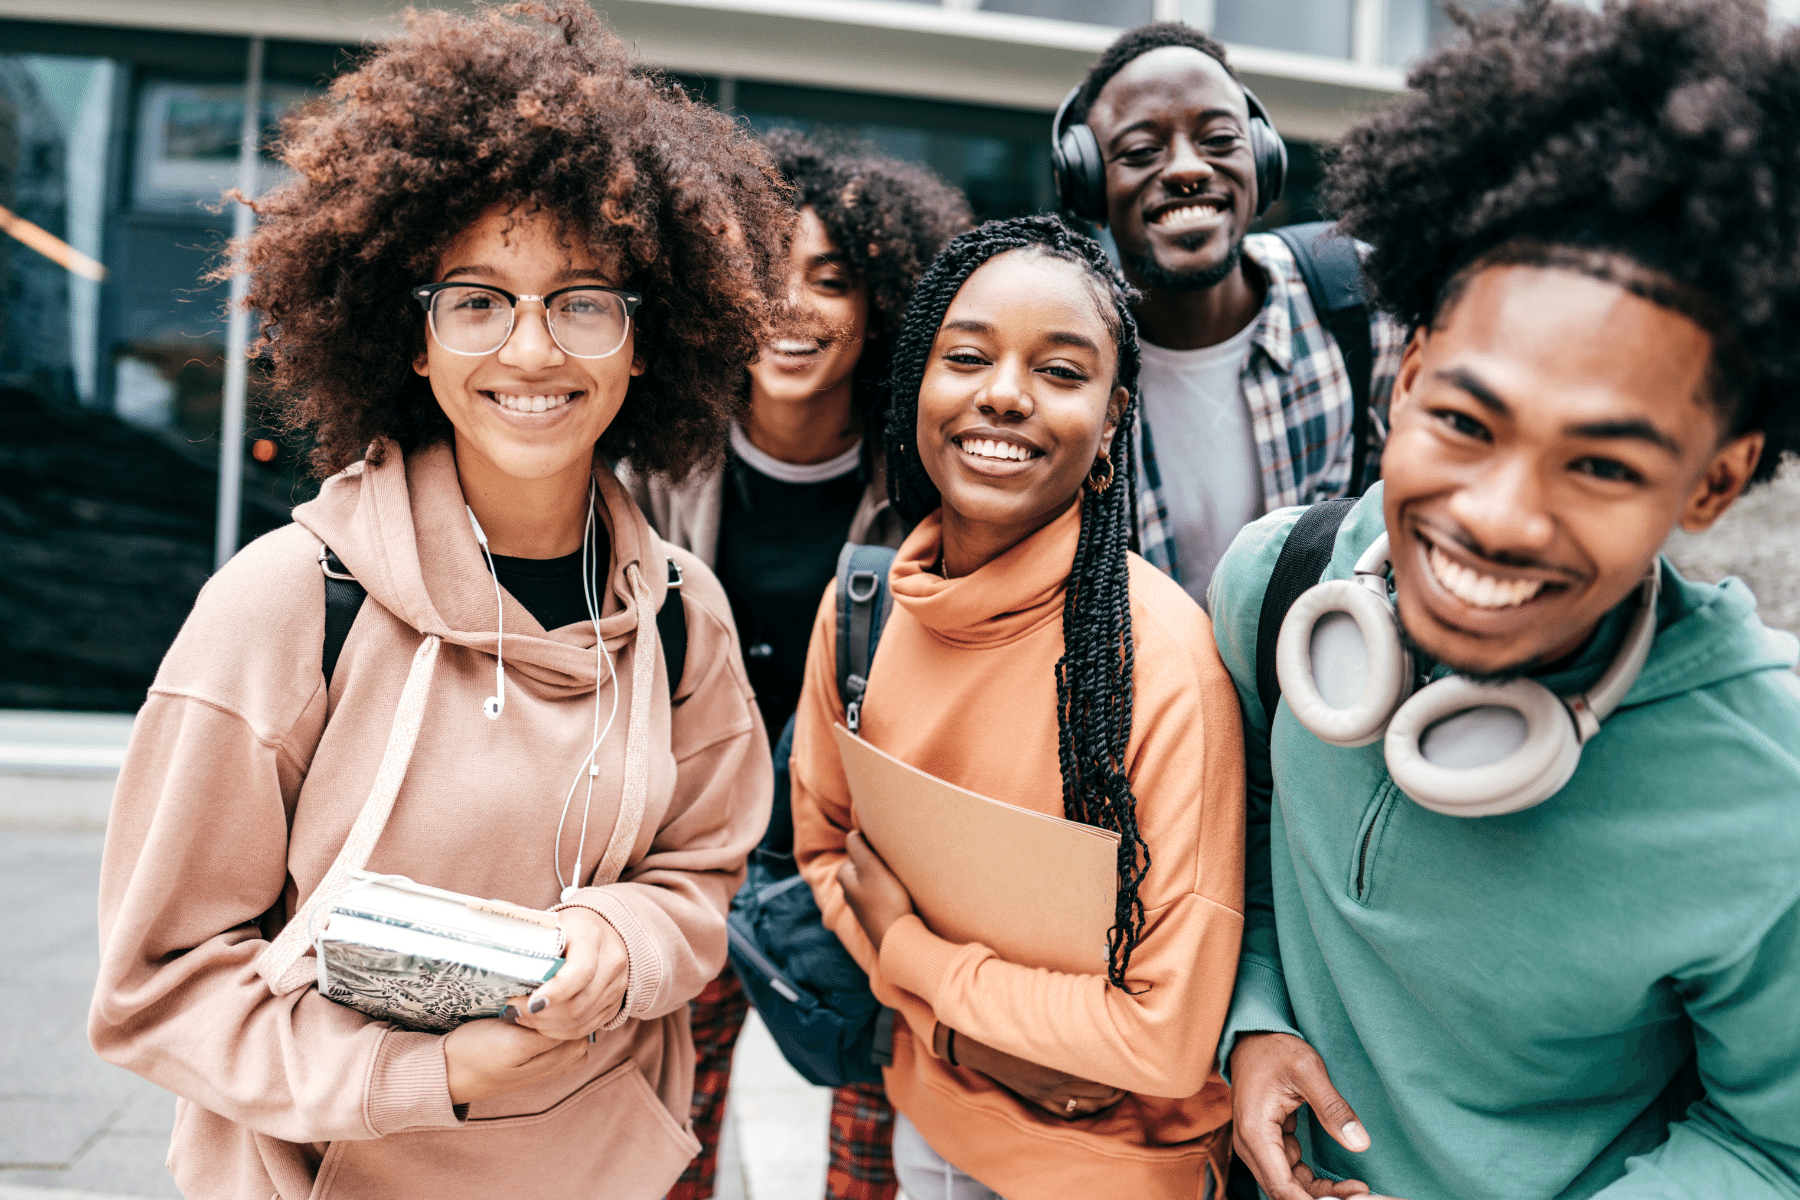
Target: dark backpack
(1303,559)
(344,599)
(1332,269)
(810,993)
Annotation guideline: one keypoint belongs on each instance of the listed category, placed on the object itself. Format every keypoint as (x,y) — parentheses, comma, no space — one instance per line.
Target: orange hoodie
(245,773)
(963,686)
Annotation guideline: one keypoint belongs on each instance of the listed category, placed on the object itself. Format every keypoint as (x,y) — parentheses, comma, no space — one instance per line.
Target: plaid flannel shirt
(1298,393)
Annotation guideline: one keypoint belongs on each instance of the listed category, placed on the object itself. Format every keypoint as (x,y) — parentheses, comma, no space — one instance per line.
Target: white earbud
(1458,747)
(494,705)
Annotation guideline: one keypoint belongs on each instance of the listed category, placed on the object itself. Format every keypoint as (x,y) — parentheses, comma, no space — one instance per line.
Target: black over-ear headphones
(1080,170)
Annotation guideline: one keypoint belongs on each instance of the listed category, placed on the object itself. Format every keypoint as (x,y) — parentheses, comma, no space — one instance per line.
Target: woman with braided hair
(1033,658)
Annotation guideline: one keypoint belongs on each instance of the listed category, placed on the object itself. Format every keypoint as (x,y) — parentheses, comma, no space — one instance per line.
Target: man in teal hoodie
(1592,224)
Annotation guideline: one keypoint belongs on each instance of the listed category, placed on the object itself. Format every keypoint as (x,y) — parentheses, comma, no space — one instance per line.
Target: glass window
(1304,26)
(1120,13)
(55,121)
(1000,158)
(1416,26)
(187,143)
(110,389)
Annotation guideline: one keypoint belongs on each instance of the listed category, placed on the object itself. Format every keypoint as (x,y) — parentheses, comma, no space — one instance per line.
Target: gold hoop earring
(1096,485)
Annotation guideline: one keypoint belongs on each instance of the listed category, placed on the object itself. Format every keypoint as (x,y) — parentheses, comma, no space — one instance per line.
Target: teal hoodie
(1530,1006)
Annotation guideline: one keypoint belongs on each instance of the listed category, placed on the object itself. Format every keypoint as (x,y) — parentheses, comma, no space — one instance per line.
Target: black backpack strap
(1303,558)
(863,604)
(671,628)
(1332,269)
(343,600)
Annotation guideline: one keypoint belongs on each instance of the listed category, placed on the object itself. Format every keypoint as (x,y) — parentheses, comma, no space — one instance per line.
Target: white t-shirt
(764,463)
(1205,450)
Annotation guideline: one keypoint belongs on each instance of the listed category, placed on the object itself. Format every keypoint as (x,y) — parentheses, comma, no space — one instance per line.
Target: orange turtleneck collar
(1003,600)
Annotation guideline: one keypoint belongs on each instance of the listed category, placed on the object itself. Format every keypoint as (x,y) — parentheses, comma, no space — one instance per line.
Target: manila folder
(1037,890)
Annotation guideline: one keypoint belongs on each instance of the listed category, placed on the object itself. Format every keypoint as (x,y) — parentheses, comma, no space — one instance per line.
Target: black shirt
(778,548)
(550,588)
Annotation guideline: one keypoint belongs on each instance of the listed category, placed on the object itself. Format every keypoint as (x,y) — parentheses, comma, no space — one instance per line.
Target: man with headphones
(1257,393)
(1522,913)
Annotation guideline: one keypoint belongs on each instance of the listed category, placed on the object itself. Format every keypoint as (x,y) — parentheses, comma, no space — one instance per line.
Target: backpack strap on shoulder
(671,628)
(1303,558)
(343,600)
(1332,269)
(863,604)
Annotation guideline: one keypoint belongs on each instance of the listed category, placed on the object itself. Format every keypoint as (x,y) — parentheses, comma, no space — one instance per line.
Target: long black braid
(1093,677)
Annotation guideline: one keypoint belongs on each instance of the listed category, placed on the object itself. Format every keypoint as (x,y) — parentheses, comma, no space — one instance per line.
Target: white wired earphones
(495,704)
(591,765)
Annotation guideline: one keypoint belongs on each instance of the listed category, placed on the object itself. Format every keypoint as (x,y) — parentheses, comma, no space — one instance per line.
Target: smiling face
(1017,398)
(1547,436)
(1174,130)
(819,336)
(528,410)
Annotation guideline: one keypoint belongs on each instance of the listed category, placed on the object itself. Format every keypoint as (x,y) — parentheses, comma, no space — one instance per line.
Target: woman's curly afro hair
(1656,144)
(534,107)
(890,218)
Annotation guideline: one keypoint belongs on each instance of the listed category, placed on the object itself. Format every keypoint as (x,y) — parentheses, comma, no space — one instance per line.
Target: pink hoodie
(245,774)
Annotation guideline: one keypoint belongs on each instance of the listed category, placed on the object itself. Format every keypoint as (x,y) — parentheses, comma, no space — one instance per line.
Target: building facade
(119,129)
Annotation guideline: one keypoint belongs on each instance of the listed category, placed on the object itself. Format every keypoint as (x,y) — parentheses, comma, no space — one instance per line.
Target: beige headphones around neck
(1457,747)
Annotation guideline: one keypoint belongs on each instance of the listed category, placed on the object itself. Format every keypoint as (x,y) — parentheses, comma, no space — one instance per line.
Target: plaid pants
(861,1165)
(862,1145)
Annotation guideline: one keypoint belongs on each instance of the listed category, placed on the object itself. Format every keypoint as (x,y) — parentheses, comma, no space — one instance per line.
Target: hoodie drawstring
(636,796)
(280,963)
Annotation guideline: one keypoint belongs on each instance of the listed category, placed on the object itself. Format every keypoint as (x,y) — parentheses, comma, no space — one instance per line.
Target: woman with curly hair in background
(506,252)
(805,473)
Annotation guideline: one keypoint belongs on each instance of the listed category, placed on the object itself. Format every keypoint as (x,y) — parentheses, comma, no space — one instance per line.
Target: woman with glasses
(506,254)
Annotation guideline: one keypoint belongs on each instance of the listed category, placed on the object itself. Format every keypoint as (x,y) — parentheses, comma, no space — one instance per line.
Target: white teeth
(534,404)
(1190,214)
(989,448)
(1482,591)
(795,346)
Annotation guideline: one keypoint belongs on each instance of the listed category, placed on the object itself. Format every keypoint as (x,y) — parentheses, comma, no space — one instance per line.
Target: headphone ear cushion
(1081,173)
(1304,646)
(1532,772)
(1271,157)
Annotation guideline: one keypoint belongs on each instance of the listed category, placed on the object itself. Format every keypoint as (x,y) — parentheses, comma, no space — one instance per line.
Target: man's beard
(1157,277)
(1423,658)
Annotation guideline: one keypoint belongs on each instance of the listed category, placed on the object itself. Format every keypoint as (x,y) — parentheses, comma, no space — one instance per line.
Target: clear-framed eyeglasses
(586,320)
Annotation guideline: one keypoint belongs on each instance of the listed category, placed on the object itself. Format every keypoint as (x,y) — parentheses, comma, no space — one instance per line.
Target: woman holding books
(504,253)
(1033,659)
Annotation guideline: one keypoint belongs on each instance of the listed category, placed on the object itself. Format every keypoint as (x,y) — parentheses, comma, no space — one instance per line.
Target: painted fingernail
(538,1004)
(1355,1136)
(593,1037)
(510,1015)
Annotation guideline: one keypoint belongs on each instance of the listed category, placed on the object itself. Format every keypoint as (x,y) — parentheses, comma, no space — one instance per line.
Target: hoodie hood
(402,529)
(1708,633)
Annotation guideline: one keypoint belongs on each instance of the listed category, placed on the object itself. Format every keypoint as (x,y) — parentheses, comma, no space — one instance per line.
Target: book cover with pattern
(429,995)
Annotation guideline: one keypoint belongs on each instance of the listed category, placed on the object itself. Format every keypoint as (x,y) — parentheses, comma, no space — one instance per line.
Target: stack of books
(427,959)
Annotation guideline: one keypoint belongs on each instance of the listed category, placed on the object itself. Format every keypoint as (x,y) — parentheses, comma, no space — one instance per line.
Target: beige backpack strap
(281,963)
(637,737)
